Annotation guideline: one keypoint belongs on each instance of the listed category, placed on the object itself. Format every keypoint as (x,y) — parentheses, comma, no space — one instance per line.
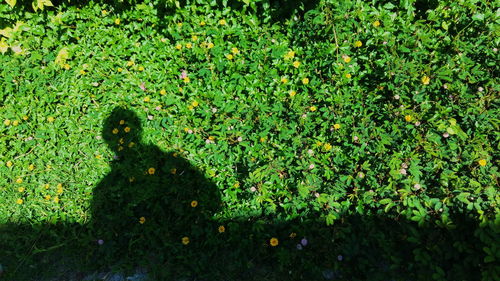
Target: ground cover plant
(250,140)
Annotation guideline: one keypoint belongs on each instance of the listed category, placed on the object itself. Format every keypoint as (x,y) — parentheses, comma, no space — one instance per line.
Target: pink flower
(446,135)
(183,74)
(311,166)
(304,242)
(143,86)
(253,189)
(402,171)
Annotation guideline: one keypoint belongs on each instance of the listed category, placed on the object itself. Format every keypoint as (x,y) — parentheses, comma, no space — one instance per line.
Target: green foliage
(370,127)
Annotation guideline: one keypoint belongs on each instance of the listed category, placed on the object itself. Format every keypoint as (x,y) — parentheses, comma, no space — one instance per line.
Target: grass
(335,140)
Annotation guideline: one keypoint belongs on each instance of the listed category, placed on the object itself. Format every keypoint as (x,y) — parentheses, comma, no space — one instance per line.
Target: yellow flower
(274,242)
(104,12)
(202,23)
(222,229)
(185,240)
(222,22)
(210,45)
(178,46)
(426,80)
(408,118)
(296,64)
(194,103)
(376,23)
(19,180)
(292,93)
(47,197)
(19,201)
(122,122)
(67,66)
(358,44)
(313,108)
(179,24)
(25,117)
(336,126)
(293,234)
(46,186)
(50,119)
(126,129)
(189,45)
(6,122)
(284,80)
(31,167)
(142,220)
(151,171)
(211,138)
(262,139)
(115,131)
(173,170)
(194,203)
(290,55)
(9,164)
(56,199)
(229,56)
(327,146)
(482,162)
(186,79)
(163,92)
(131,179)
(347,59)
(117,21)
(305,81)
(141,68)
(147,99)
(21,189)
(130,63)
(82,72)
(194,38)
(131,144)
(59,189)
(15,123)
(348,76)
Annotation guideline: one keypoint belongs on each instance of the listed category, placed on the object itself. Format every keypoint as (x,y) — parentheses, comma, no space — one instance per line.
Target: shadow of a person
(152,202)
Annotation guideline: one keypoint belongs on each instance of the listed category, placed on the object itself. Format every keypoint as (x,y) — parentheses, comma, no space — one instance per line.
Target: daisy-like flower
(185,240)
(194,203)
(426,80)
(222,229)
(274,242)
(142,220)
